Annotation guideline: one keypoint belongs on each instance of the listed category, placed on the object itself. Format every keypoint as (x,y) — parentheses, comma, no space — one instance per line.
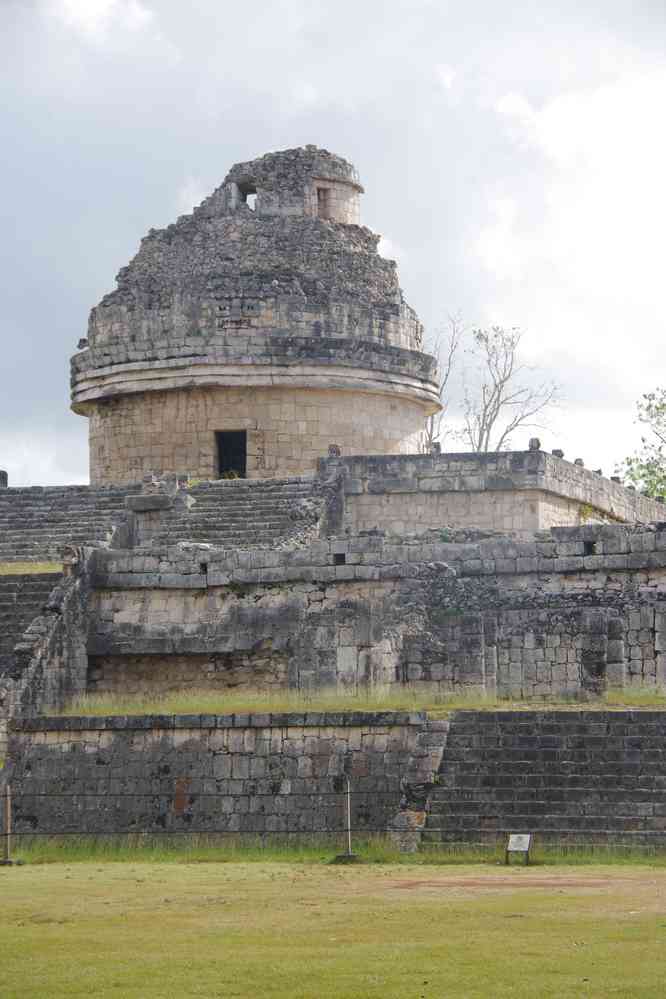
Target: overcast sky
(513,154)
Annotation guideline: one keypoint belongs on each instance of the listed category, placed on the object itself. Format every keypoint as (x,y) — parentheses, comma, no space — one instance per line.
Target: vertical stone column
(616,666)
(4,481)
(660,646)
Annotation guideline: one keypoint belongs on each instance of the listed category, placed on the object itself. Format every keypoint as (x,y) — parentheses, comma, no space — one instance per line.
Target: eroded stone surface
(248,774)
(283,321)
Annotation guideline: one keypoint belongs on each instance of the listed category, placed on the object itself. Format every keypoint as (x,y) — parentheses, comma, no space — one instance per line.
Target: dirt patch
(517,882)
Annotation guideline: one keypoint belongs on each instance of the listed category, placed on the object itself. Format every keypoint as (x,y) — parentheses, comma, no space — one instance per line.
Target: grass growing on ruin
(635,698)
(248,701)
(29,568)
(298,931)
(434,701)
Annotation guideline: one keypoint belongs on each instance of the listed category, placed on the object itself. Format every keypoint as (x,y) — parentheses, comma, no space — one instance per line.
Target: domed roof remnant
(271,271)
(254,334)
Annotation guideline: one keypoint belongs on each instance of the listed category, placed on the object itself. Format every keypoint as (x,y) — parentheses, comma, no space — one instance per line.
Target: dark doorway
(324,202)
(231,453)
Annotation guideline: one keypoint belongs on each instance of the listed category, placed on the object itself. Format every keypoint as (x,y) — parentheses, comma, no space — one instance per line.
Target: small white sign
(519,843)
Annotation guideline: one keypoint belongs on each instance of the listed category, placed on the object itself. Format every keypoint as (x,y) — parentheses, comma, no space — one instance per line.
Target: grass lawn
(390,698)
(29,568)
(140,930)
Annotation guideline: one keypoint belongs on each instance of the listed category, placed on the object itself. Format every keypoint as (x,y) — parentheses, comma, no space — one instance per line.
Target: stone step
(575,773)
(37,523)
(7,595)
(237,520)
(22,599)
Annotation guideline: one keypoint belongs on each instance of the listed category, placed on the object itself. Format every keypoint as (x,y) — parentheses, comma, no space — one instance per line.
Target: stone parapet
(588,549)
(280,719)
(518,491)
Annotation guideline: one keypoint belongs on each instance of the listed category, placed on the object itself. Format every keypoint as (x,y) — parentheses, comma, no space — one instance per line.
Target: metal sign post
(519,843)
(349,849)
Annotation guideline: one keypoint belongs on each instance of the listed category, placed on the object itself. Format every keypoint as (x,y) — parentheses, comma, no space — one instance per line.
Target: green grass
(312,931)
(436,702)
(245,701)
(636,698)
(317,849)
(28,568)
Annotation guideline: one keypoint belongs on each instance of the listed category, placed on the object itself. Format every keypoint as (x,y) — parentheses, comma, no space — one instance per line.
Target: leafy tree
(646,469)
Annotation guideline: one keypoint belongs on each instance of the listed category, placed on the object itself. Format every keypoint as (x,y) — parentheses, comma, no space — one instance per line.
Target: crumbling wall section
(49,662)
(262,668)
(568,613)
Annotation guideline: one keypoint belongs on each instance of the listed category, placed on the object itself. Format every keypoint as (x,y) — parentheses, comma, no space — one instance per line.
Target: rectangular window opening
(324,202)
(339,558)
(231,454)
(248,193)
(589,547)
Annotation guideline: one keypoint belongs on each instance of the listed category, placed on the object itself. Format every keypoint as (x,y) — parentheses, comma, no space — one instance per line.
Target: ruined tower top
(270,289)
(306,181)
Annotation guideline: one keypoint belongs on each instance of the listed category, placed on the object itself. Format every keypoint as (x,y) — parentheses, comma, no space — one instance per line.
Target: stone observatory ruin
(253,334)
(261,515)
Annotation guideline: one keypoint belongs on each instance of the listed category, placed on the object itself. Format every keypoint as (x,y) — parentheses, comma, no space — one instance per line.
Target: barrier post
(7,829)
(348,857)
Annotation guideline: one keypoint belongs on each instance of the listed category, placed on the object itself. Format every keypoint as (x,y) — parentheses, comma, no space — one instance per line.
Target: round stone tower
(254,334)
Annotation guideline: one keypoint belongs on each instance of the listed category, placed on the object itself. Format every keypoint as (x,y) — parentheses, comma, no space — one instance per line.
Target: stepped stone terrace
(261,515)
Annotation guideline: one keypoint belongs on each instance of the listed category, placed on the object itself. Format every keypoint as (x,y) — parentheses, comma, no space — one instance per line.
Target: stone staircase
(21,600)
(566,775)
(243,513)
(37,522)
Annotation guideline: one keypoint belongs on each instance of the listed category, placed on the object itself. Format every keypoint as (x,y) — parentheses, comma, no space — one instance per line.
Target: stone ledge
(512,471)
(138,377)
(310,719)
(156,501)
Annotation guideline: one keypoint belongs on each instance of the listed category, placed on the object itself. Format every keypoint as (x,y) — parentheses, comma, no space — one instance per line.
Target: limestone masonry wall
(569,612)
(260,668)
(513,491)
(229,774)
(569,775)
(287,432)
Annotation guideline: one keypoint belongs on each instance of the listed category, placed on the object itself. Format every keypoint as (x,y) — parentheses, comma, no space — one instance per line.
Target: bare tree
(499,401)
(499,393)
(445,350)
